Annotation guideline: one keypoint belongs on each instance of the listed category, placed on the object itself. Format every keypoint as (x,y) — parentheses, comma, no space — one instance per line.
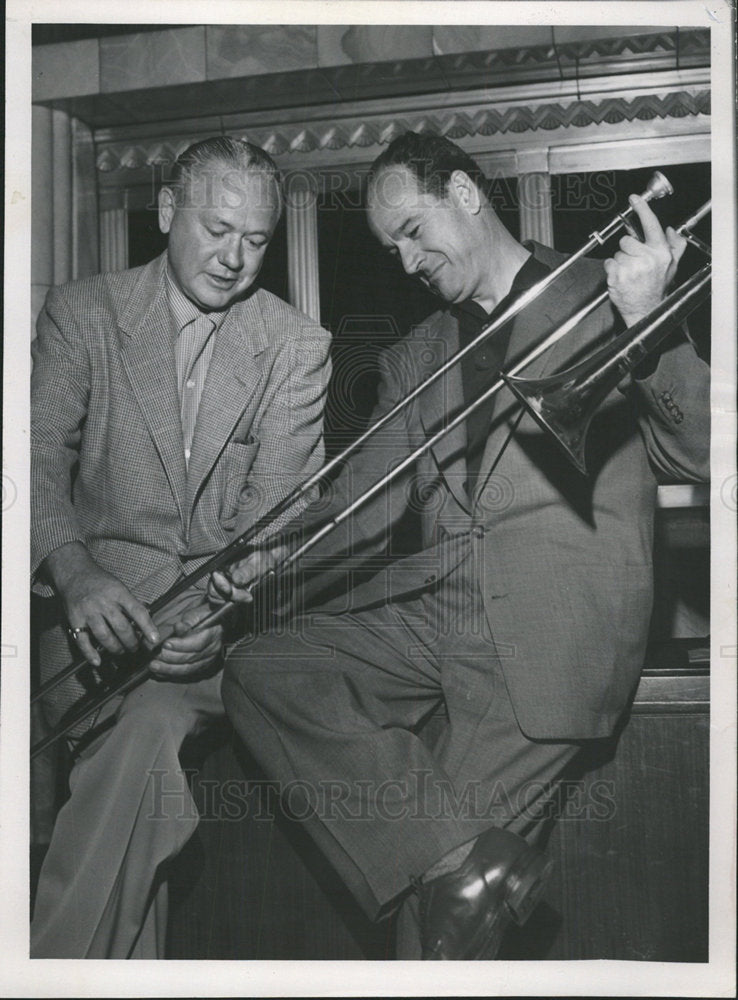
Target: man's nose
(412,258)
(231,254)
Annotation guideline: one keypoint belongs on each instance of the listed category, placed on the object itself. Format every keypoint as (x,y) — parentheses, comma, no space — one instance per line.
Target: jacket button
(431,578)
(478,530)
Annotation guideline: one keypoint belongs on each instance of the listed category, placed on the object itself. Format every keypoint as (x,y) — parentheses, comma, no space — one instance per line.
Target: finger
(652,231)
(122,629)
(180,670)
(221,584)
(84,644)
(230,592)
(193,642)
(622,263)
(182,662)
(194,616)
(677,244)
(176,662)
(239,595)
(214,595)
(135,610)
(632,247)
(181,628)
(102,632)
(631,268)
(162,668)
(242,574)
(190,622)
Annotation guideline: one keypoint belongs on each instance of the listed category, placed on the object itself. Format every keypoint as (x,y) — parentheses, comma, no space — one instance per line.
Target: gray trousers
(329,708)
(130,810)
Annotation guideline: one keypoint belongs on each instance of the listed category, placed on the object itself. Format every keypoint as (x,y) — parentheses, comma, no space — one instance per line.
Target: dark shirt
(480,368)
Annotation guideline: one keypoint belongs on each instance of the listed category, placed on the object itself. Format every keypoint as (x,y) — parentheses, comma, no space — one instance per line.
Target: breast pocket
(239,494)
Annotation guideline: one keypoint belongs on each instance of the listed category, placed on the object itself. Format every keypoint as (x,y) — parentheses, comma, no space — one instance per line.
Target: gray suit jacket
(107,451)
(565,563)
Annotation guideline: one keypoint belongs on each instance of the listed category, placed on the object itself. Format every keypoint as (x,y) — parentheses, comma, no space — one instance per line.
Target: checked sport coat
(107,452)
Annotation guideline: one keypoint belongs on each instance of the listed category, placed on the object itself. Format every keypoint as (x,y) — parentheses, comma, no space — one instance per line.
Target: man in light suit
(173,404)
(526,611)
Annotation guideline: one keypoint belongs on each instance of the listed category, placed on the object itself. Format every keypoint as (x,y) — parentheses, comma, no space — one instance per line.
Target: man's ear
(465,192)
(167,208)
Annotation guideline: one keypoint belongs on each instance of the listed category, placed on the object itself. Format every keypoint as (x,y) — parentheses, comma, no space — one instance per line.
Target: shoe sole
(526,887)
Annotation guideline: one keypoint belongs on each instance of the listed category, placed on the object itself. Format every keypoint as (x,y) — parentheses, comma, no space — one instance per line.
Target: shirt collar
(528,275)
(183,310)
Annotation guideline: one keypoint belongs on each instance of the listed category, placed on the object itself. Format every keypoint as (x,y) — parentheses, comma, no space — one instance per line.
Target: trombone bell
(565,403)
(558,405)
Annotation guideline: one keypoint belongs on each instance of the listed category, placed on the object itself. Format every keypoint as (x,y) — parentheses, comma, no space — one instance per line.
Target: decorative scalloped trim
(296,140)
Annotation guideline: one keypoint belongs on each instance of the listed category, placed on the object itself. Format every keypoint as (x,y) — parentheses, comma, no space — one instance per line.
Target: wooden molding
(299,144)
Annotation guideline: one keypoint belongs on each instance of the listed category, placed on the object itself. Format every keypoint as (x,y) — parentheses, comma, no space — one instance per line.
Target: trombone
(648,333)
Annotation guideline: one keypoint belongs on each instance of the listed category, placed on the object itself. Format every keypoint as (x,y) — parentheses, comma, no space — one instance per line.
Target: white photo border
(21,977)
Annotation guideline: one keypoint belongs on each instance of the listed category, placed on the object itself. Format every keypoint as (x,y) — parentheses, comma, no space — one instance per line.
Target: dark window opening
(368,302)
(585,202)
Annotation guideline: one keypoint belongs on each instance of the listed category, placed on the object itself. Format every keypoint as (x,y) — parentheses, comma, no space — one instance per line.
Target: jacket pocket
(238,493)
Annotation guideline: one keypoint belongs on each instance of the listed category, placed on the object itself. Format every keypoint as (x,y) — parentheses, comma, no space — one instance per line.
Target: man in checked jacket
(172,405)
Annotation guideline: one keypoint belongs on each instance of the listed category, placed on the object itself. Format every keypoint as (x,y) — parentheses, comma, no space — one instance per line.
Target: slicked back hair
(431,159)
(238,154)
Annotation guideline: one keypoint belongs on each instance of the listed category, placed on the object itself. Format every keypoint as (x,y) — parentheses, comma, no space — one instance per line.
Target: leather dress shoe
(464,913)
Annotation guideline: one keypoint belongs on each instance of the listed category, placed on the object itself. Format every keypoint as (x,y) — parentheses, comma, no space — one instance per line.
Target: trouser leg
(129,811)
(498,776)
(152,938)
(330,706)
(327,710)
(521,795)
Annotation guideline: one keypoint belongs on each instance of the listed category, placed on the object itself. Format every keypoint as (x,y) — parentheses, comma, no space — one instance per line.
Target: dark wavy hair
(431,159)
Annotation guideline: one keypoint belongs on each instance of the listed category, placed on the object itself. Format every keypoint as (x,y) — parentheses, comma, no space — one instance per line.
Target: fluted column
(301,212)
(61,128)
(85,253)
(64,208)
(42,210)
(113,239)
(534,197)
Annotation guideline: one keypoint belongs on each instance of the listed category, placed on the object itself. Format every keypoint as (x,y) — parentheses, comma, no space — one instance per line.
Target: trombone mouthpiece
(658,187)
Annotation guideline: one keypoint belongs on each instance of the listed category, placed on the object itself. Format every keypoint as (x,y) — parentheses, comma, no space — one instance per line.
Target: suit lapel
(148,357)
(540,318)
(234,375)
(445,397)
